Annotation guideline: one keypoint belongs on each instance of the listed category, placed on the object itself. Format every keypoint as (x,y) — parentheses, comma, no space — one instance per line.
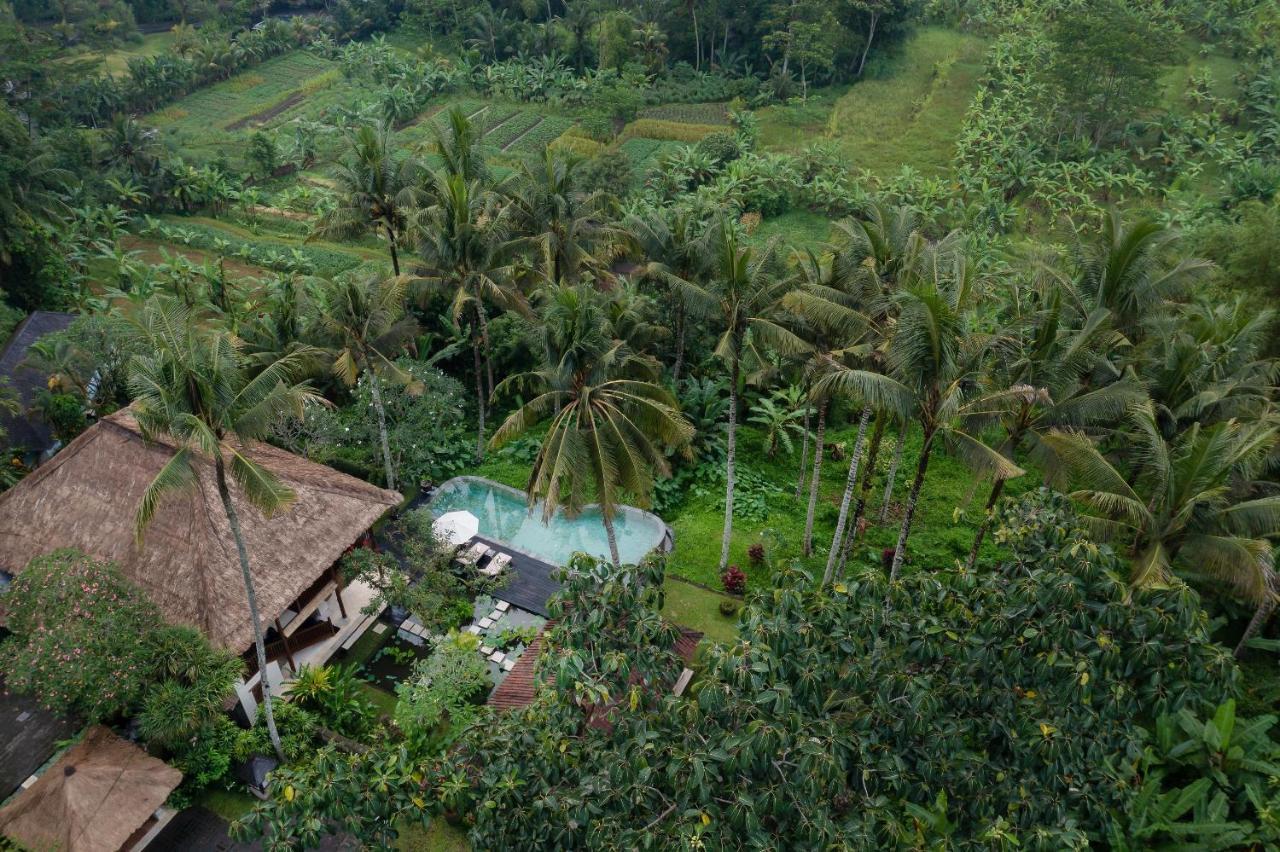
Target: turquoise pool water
(505,517)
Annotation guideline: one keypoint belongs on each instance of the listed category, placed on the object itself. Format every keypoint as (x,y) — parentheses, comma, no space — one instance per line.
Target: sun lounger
(499,563)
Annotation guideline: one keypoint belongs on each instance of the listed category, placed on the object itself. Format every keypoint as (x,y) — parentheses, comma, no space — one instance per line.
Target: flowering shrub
(78,636)
(735,582)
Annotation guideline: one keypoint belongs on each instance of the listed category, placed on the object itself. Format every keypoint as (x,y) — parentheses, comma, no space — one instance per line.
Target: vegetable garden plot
(538,137)
(243,96)
(512,129)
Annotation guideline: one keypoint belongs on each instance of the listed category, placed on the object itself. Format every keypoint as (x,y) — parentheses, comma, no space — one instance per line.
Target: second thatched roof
(86,496)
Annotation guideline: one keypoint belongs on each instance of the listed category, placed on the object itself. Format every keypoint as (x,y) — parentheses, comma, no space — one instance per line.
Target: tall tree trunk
(697,40)
(395,256)
(1260,618)
(612,538)
(922,467)
(376,392)
(680,320)
(259,644)
(484,342)
(996,488)
(885,501)
(730,461)
(869,472)
(817,477)
(871,33)
(475,352)
(850,482)
(804,450)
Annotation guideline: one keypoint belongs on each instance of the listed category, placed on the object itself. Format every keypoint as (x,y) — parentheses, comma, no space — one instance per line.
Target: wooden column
(337,588)
(288,652)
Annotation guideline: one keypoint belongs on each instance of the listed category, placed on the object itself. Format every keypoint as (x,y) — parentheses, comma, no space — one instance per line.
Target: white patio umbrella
(458,527)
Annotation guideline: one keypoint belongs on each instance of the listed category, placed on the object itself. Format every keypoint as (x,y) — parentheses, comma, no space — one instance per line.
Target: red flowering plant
(79,640)
(735,582)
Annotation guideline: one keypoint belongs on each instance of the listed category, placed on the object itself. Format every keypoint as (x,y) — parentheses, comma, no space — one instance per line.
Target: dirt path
(269,113)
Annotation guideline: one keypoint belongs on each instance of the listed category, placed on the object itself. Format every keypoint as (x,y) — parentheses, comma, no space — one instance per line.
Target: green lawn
(910,116)
(695,607)
(943,530)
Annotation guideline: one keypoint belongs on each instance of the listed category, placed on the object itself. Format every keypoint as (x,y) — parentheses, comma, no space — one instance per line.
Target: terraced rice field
(645,152)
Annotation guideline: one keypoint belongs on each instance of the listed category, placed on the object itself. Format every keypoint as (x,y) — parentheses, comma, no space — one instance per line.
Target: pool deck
(530,583)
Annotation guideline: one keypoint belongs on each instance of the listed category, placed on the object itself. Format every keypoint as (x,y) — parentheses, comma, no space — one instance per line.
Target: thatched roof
(92,799)
(85,497)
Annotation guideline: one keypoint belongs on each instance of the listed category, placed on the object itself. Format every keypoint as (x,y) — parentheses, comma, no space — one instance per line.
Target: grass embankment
(909,116)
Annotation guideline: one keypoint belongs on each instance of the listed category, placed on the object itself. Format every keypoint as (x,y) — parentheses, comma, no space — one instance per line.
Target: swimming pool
(505,517)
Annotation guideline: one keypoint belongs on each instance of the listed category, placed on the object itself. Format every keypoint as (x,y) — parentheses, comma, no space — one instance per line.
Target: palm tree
(376,188)
(1049,388)
(464,240)
(570,231)
(747,289)
(191,385)
(675,247)
(458,146)
(366,321)
(1207,363)
(935,360)
(848,292)
(1183,504)
(1129,271)
(609,421)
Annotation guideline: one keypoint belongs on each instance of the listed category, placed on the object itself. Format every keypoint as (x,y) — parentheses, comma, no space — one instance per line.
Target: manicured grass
(695,607)
(228,804)
(439,837)
(946,520)
(910,116)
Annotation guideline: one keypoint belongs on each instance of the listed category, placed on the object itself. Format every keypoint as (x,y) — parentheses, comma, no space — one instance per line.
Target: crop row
(512,130)
(542,135)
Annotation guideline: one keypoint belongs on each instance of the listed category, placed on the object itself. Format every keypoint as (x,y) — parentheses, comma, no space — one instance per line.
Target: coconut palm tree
(464,240)
(191,385)
(1049,388)
(570,232)
(365,321)
(609,421)
(747,288)
(674,245)
(458,146)
(1207,363)
(1183,505)
(848,290)
(934,362)
(1132,271)
(376,188)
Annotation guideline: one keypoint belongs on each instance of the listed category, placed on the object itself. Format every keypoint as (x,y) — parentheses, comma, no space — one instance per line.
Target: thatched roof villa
(85,497)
